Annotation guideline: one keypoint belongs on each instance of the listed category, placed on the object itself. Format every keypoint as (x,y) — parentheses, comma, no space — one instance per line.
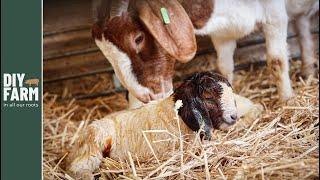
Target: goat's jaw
(136,103)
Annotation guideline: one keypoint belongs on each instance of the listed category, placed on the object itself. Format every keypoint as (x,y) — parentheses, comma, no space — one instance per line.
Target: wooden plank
(243,55)
(61,44)
(74,65)
(81,86)
(61,16)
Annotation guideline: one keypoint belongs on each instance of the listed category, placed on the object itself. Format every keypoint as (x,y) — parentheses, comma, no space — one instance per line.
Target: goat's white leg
(277,55)
(309,59)
(225,50)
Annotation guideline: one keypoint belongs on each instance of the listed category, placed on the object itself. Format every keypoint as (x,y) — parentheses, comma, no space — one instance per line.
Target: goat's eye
(139,39)
(211,102)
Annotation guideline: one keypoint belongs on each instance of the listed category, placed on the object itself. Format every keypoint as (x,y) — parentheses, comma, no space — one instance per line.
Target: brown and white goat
(143,50)
(208,103)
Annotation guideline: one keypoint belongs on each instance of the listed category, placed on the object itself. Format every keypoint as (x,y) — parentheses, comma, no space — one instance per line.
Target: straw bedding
(281,143)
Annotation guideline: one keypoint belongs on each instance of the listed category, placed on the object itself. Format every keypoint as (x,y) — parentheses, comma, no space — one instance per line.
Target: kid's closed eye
(211,101)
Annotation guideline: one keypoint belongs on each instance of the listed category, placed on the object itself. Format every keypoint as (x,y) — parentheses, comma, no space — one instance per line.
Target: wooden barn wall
(72,59)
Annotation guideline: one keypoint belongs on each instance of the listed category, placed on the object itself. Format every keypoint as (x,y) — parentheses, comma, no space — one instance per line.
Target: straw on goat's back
(143,132)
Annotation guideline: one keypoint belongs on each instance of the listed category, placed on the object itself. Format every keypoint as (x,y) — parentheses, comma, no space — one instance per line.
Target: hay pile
(280,144)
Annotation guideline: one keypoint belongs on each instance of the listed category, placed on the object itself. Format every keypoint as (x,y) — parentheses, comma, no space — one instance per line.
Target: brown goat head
(208,102)
(143,50)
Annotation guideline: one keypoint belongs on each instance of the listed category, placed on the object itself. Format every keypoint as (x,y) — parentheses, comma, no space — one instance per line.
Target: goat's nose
(234,117)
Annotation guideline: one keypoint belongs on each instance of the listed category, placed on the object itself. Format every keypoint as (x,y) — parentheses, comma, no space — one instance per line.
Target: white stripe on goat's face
(123,69)
(228,104)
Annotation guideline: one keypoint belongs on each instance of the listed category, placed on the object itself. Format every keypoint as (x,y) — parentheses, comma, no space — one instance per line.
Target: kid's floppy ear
(201,115)
(170,25)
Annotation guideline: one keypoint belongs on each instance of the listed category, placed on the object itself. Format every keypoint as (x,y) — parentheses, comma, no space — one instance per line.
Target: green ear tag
(165,15)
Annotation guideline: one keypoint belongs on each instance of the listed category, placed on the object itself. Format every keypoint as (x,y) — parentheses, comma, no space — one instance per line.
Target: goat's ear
(101,10)
(202,116)
(195,115)
(177,37)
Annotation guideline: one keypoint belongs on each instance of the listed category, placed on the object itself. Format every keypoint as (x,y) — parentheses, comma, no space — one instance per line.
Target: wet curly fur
(201,96)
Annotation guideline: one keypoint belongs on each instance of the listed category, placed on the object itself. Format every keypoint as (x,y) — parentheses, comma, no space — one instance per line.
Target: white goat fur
(234,19)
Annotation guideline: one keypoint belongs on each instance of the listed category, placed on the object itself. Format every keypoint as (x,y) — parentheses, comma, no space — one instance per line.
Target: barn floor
(282,143)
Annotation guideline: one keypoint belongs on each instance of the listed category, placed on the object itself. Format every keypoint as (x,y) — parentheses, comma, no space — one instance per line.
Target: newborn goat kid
(208,103)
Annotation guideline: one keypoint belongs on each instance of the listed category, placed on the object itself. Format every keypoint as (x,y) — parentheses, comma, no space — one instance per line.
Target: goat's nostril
(234,117)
